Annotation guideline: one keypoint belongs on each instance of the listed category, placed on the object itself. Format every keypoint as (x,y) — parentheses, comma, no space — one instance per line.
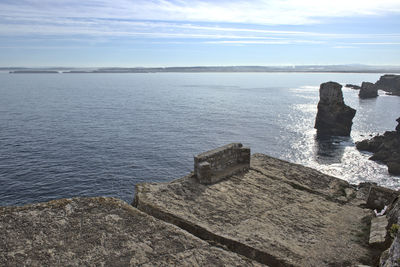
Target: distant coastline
(223,69)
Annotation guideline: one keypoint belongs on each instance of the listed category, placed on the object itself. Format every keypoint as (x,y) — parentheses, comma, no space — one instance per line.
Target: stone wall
(217,164)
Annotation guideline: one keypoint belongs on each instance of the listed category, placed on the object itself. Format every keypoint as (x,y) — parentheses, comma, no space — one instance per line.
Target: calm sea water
(65,135)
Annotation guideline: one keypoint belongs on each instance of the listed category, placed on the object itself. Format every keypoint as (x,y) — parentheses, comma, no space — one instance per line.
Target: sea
(68,135)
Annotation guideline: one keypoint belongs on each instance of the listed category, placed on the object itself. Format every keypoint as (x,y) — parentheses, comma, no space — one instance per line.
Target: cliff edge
(277,213)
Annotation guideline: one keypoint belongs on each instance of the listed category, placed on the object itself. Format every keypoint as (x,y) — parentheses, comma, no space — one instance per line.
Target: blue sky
(131,33)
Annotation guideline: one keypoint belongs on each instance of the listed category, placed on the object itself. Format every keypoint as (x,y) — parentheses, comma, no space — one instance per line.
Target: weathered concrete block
(378,231)
(204,170)
(217,164)
(379,197)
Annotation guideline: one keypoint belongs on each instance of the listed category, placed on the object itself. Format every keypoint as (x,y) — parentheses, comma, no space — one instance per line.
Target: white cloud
(174,21)
(344,47)
(271,12)
(378,43)
(266,42)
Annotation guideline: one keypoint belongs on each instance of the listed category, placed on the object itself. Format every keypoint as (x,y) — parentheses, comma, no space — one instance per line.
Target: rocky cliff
(333,117)
(389,83)
(385,148)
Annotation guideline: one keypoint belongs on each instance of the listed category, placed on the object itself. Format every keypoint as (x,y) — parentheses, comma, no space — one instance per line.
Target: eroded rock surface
(390,258)
(368,90)
(333,117)
(100,232)
(385,148)
(278,213)
(389,83)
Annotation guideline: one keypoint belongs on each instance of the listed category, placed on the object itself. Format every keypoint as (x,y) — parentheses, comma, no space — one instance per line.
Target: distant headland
(198,69)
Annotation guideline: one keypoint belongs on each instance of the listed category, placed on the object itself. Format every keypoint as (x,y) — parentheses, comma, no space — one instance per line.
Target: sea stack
(389,83)
(368,90)
(333,117)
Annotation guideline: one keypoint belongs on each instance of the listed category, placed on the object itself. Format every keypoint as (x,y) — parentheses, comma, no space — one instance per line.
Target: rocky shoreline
(271,213)
(234,209)
(385,148)
(390,83)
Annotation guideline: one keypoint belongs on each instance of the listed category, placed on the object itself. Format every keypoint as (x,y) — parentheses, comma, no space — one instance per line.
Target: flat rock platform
(277,213)
(100,232)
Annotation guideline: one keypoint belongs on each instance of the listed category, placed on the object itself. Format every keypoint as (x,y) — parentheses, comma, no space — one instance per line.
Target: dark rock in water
(353,86)
(389,83)
(368,90)
(333,117)
(386,148)
(398,126)
(393,167)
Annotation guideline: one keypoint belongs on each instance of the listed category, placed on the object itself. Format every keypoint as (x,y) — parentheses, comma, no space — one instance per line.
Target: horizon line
(202,66)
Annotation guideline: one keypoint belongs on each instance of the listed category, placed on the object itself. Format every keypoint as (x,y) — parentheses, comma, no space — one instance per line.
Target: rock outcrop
(368,90)
(277,213)
(100,232)
(389,83)
(333,117)
(385,148)
(390,258)
(398,125)
(353,86)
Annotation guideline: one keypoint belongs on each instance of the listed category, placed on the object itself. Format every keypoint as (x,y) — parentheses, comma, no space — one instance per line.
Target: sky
(160,33)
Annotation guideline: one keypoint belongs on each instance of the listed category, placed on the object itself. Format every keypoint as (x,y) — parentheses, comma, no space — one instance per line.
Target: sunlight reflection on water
(90,134)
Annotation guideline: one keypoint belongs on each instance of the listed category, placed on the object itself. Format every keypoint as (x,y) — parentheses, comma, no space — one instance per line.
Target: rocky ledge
(277,213)
(235,210)
(100,232)
(385,148)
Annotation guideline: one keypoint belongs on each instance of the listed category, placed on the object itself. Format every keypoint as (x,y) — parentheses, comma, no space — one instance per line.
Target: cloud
(262,42)
(344,47)
(270,12)
(208,22)
(378,43)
